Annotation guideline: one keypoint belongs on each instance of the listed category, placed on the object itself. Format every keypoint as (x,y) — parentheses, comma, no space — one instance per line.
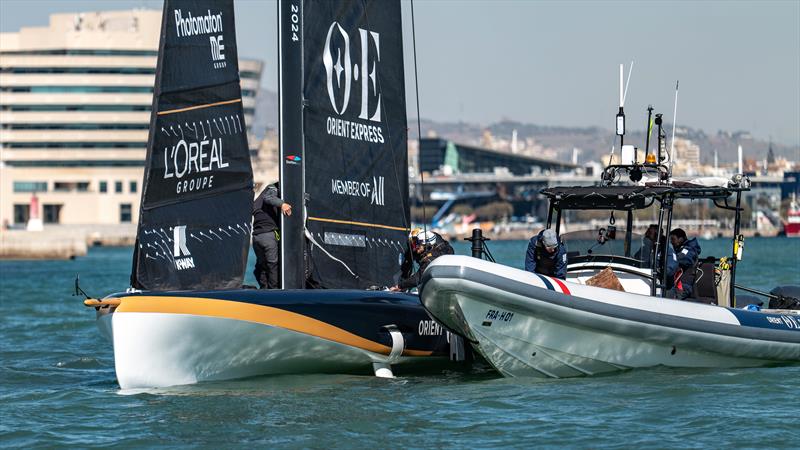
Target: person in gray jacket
(267,208)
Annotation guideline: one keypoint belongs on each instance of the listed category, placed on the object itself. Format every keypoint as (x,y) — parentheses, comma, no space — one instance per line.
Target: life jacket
(677,280)
(684,281)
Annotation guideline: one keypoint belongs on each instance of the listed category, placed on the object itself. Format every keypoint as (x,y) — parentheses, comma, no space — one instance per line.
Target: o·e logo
(338,42)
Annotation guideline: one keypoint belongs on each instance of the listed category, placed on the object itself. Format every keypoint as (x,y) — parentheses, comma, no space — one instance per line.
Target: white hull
(159,350)
(168,340)
(164,349)
(525,325)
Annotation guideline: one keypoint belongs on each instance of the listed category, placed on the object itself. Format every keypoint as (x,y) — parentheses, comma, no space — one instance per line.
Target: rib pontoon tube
(527,324)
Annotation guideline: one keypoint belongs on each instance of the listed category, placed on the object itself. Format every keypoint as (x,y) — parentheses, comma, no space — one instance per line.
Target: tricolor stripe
(547,282)
(563,286)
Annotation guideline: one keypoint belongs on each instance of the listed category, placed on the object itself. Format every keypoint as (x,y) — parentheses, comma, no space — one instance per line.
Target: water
(57,386)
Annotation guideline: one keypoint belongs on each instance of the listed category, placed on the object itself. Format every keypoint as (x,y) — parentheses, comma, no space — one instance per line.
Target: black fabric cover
(355,141)
(705,287)
(603,197)
(788,297)
(194,222)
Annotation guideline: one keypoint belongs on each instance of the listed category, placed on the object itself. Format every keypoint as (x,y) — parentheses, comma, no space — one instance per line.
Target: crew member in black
(425,247)
(267,209)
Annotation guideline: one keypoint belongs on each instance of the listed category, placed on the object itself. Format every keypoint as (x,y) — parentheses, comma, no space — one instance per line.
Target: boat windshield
(602,244)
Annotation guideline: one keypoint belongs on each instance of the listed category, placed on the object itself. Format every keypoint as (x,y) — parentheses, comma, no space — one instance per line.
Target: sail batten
(194,219)
(207,105)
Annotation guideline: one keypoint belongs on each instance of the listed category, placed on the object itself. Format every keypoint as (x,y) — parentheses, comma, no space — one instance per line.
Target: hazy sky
(556,63)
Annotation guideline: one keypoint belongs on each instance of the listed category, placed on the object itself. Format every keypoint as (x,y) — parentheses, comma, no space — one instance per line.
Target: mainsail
(354,139)
(194,222)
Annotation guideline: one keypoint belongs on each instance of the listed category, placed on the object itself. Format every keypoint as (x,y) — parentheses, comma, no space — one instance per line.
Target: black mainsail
(194,221)
(354,138)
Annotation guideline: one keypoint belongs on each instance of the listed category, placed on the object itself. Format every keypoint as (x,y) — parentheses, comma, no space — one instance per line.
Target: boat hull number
(499,315)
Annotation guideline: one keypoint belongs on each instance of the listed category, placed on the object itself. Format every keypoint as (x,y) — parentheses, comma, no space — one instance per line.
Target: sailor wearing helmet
(425,247)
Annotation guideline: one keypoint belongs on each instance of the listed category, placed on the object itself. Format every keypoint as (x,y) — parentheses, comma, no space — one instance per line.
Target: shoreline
(63,241)
(73,241)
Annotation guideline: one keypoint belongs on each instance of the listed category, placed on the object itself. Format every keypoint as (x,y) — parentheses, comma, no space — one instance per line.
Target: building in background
(443,156)
(687,157)
(75,100)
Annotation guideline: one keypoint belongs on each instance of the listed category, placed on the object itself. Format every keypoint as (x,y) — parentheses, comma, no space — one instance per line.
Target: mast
(290,140)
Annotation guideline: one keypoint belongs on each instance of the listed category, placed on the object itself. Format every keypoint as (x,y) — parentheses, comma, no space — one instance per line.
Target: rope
(314,242)
(419,125)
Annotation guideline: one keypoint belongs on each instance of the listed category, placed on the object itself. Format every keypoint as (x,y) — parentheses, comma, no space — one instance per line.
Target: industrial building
(443,156)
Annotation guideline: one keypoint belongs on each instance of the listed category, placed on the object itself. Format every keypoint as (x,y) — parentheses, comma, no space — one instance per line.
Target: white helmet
(426,238)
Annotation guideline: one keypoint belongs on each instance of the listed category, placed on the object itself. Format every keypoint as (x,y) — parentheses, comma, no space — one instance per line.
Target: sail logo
(180,252)
(341,74)
(345,75)
(374,191)
(202,25)
(196,26)
(377,191)
(188,161)
(216,52)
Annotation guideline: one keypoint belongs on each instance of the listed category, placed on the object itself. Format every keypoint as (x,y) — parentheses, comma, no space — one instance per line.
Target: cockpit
(610,245)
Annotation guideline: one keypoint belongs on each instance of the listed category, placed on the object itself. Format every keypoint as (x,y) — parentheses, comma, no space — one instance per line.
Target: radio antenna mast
(627,83)
(674,120)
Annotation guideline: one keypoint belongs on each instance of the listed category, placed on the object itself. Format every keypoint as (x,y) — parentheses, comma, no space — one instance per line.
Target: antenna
(741,168)
(674,121)
(621,113)
(627,83)
(649,133)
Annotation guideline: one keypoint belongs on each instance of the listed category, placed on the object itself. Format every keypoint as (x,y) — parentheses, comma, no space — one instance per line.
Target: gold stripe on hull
(249,312)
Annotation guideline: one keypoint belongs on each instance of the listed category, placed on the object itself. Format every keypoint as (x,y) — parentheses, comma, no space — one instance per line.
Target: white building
(75,100)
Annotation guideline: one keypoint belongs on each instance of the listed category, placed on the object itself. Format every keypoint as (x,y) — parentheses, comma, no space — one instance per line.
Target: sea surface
(58,388)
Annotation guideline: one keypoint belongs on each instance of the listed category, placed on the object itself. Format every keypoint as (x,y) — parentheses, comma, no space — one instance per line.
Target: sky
(557,62)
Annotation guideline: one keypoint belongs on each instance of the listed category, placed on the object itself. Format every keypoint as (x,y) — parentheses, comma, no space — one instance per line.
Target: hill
(559,142)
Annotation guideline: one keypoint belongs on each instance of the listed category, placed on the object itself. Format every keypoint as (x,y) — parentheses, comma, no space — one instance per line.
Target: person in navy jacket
(648,246)
(687,251)
(547,255)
